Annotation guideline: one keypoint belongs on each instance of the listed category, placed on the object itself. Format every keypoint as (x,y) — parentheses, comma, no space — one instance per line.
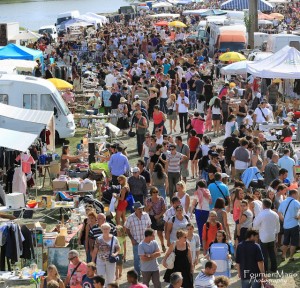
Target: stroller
(252,178)
(219,253)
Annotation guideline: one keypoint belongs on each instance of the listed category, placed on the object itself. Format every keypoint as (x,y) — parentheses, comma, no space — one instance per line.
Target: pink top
(236,211)
(139,285)
(157,117)
(68,97)
(198,125)
(75,281)
(26,161)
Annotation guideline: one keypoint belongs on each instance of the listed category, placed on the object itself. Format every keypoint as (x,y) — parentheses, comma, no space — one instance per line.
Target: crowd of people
(149,81)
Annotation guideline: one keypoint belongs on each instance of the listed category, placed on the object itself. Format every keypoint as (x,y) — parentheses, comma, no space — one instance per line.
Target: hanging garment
(19,181)
(28,249)
(26,161)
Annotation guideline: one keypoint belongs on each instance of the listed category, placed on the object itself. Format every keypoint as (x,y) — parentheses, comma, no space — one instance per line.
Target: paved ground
(235,283)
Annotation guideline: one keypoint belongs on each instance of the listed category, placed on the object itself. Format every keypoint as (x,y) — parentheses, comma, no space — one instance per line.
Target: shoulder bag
(171,259)
(262,113)
(226,200)
(112,259)
(287,207)
(73,272)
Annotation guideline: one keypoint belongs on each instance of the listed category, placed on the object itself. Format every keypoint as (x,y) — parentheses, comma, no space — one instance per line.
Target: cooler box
(15,200)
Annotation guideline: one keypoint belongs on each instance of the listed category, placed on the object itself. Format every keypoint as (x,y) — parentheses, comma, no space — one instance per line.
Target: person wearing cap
(123,123)
(136,225)
(142,103)
(118,165)
(138,185)
(261,113)
(141,92)
(137,107)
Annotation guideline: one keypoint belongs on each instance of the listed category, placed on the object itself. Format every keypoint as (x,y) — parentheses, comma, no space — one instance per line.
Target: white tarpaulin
(283,64)
(19,65)
(235,68)
(162,5)
(27,120)
(16,140)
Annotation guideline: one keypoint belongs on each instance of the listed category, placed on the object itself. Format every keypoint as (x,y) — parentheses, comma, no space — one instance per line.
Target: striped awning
(244,4)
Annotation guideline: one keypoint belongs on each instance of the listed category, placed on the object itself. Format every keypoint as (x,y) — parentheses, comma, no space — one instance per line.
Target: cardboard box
(59,185)
(74,187)
(60,241)
(89,186)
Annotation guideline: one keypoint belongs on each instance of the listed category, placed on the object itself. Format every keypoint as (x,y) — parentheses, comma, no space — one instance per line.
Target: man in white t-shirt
(261,113)
(206,278)
(182,110)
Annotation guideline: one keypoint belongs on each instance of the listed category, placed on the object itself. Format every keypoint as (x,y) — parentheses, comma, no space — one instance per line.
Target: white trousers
(106,270)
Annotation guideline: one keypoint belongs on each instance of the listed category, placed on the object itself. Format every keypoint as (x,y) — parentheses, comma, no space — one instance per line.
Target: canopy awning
(244,4)
(27,120)
(16,140)
(283,64)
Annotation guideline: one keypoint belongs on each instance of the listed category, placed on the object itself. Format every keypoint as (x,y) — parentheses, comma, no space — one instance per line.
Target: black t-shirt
(248,253)
(191,85)
(154,159)
(230,144)
(146,175)
(87,282)
(115,100)
(172,74)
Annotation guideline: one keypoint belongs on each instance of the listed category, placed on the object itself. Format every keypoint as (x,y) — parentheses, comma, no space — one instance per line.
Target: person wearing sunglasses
(76,270)
(222,282)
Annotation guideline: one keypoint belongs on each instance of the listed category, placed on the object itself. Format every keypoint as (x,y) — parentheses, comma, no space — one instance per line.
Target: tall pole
(253,21)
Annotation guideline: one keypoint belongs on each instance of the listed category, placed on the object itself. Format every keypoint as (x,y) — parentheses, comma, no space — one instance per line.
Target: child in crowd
(122,255)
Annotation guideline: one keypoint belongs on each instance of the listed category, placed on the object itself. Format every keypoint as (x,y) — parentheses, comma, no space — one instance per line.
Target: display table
(270,126)
(22,210)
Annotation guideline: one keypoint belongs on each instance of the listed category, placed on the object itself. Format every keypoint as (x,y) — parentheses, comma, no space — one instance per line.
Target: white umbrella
(235,68)
(26,35)
(265,22)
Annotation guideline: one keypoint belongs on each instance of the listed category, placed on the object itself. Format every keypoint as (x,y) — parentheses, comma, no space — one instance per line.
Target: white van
(50,30)
(39,94)
(277,41)
(61,17)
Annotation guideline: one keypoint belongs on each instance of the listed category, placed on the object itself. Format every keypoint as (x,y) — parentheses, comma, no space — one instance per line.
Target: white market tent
(164,15)
(103,19)
(194,12)
(16,140)
(235,68)
(27,35)
(162,5)
(283,64)
(28,121)
(19,65)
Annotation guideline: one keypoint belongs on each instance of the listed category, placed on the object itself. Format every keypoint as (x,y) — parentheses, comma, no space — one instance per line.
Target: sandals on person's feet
(164,248)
